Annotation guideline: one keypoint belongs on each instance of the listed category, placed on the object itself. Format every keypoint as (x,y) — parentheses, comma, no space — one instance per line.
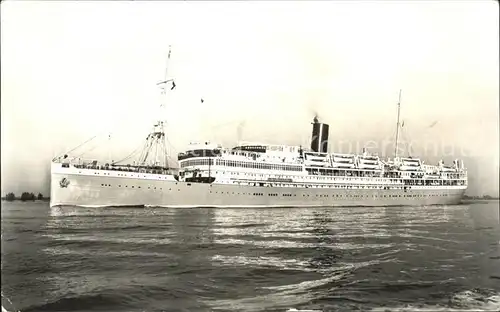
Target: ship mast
(157,136)
(397,127)
(164,92)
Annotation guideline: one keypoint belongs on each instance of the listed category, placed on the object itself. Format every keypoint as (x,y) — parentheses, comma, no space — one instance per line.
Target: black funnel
(319,140)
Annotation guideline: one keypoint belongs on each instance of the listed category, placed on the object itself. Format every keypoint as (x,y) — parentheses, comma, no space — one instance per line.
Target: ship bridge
(266,147)
(196,149)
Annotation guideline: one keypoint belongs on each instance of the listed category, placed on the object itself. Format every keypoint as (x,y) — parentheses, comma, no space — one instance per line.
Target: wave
(82,302)
(10,304)
(57,239)
(469,300)
(269,244)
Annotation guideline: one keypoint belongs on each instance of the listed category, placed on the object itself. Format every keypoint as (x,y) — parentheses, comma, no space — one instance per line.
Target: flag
(173,85)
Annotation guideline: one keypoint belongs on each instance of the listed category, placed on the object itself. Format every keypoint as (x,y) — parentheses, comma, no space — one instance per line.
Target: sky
(74,70)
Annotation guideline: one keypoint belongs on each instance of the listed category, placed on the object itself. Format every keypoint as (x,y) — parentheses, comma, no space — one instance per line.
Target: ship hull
(100,190)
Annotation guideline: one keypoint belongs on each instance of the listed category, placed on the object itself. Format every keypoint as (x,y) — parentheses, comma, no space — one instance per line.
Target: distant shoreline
(25,196)
(28,200)
(486,197)
(477,200)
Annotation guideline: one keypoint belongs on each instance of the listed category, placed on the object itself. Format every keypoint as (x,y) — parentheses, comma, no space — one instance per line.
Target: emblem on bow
(64,182)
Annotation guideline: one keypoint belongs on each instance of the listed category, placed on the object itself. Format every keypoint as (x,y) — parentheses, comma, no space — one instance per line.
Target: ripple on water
(365,258)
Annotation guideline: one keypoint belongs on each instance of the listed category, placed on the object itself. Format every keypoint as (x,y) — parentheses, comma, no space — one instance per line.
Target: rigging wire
(156,152)
(407,139)
(140,146)
(82,144)
(165,148)
(89,150)
(77,146)
(145,145)
(147,151)
(80,155)
(127,157)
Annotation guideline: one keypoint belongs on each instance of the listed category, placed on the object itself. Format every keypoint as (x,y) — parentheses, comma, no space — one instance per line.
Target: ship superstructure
(291,166)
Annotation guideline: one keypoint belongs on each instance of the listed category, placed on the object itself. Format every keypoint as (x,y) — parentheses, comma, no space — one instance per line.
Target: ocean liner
(255,175)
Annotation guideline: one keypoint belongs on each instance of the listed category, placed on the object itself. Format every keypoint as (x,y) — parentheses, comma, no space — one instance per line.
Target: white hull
(100,188)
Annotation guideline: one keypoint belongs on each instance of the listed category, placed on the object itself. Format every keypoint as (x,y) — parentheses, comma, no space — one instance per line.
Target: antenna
(168,61)
(109,148)
(397,126)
